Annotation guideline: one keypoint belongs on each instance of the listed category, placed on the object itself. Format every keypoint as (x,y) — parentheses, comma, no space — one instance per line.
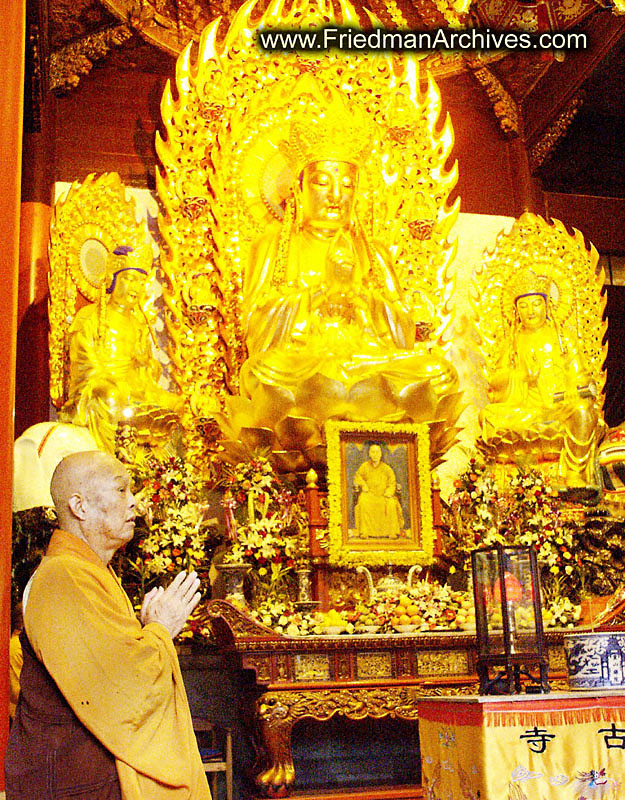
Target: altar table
(318,677)
(560,746)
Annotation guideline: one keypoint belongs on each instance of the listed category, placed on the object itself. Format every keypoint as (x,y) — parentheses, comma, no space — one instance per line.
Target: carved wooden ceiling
(536,96)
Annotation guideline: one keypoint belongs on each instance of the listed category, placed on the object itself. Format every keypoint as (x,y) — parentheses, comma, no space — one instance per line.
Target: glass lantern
(510,637)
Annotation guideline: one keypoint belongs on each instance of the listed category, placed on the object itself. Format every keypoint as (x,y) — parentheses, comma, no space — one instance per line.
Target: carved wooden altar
(356,676)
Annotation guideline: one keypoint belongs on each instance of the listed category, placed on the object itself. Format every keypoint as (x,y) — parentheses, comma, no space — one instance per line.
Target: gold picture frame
(379,494)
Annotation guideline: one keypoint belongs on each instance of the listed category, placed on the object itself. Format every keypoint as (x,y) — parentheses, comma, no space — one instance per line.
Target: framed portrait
(379,494)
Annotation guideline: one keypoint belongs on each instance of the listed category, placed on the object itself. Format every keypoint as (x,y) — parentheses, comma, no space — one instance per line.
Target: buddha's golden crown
(327,127)
(528,282)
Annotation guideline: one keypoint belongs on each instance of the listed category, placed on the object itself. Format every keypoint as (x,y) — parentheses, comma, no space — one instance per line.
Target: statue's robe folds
(378,511)
(122,680)
(543,393)
(122,358)
(293,334)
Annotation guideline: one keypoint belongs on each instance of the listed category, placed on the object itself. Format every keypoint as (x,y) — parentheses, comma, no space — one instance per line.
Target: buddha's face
(532,311)
(375,454)
(328,194)
(128,289)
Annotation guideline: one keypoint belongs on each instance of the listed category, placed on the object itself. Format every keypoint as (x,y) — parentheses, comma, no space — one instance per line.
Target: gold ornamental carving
(355,703)
(312,667)
(442,662)
(504,105)
(374,665)
(261,666)
(172,24)
(68,65)
(540,151)
(557,659)
(239,623)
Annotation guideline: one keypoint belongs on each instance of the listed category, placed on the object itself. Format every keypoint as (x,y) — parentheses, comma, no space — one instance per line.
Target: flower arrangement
(177,533)
(268,532)
(526,511)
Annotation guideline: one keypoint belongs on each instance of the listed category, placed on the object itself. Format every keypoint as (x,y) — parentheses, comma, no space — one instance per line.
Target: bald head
(93,500)
(79,473)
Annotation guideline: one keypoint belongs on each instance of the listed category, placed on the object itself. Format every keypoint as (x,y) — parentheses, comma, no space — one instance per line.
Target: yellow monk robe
(122,680)
(378,512)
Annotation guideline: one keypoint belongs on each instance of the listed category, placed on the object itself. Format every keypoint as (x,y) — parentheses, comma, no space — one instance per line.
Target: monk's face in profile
(375,454)
(328,194)
(110,503)
(532,311)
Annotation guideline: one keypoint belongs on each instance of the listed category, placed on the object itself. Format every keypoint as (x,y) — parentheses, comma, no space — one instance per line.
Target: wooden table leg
(275,724)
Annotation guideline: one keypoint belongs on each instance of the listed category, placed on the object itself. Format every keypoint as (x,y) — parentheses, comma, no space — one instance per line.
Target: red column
(12,33)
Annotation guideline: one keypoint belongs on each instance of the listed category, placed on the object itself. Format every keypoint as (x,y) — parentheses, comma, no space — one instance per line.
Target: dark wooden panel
(108,123)
(485,174)
(600,219)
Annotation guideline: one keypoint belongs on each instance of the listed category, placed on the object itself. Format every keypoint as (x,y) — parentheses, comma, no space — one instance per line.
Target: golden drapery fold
(122,680)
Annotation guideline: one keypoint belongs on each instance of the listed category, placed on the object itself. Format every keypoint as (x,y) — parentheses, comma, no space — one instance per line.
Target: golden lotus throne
(306,221)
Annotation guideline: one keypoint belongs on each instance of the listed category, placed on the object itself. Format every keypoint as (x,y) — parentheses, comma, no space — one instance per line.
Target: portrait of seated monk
(112,369)
(378,513)
(541,388)
(320,298)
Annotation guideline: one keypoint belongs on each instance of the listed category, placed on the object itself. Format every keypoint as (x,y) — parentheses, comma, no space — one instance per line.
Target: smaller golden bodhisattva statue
(541,389)
(113,374)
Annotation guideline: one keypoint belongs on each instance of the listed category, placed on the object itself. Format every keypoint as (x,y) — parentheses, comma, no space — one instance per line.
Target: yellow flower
(262,570)
(452,569)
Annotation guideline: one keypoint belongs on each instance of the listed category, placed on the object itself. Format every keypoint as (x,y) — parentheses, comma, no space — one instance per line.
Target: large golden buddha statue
(322,304)
(287,182)
(113,375)
(543,382)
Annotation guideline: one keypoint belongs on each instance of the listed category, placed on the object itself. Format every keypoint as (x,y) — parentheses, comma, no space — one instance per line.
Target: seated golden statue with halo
(543,389)
(321,302)
(317,209)
(112,371)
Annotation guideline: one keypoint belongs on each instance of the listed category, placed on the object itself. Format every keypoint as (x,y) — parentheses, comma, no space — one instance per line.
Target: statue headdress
(527,282)
(329,129)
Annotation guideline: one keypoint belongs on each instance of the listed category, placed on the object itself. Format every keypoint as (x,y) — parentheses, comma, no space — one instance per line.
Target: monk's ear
(76,504)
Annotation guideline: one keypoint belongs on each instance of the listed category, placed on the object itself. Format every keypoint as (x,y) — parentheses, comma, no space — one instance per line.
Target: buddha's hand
(389,493)
(171,607)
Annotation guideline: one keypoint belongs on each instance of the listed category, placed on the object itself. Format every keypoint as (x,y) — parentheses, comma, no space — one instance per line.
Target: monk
(103,713)
(378,512)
